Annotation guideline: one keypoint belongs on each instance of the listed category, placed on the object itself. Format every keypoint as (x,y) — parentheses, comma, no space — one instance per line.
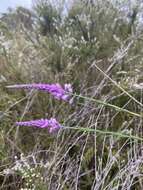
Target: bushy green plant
(97,47)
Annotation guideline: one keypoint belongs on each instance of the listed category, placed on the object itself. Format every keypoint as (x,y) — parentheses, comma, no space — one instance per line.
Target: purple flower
(56,90)
(52,124)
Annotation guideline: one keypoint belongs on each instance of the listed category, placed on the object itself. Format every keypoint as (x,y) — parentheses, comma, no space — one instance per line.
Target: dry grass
(72,159)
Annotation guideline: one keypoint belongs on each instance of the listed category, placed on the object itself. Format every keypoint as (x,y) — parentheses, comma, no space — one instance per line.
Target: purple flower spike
(56,90)
(52,124)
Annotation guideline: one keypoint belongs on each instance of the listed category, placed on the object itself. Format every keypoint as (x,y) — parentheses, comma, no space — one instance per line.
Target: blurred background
(97,47)
(5,4)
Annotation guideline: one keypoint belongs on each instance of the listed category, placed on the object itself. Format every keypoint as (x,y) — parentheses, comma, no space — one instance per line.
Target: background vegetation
(97,46)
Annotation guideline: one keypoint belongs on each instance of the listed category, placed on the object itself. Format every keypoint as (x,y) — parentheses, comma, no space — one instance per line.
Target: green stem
(109,105)
(105,132)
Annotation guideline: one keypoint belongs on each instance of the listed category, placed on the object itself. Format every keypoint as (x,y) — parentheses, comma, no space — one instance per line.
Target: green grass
(100,54)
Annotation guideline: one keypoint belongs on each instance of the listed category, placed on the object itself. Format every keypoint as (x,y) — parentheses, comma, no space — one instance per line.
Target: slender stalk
(109,105)
(116,84)
(102,132)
